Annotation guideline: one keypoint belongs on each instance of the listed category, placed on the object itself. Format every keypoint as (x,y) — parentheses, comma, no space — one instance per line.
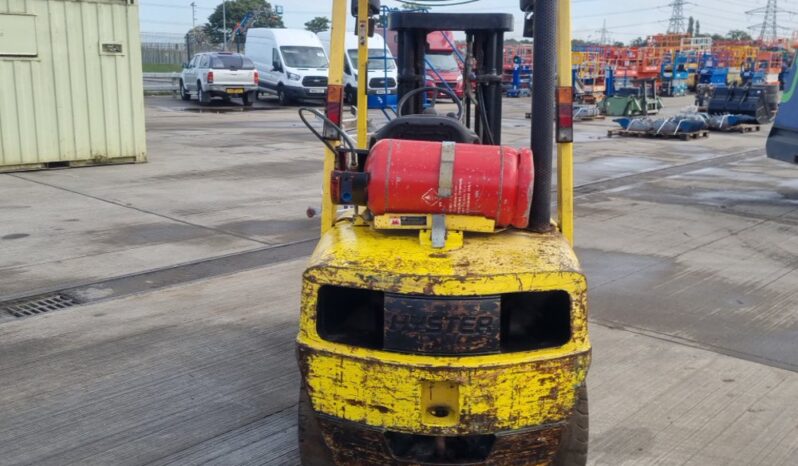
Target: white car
(219,74)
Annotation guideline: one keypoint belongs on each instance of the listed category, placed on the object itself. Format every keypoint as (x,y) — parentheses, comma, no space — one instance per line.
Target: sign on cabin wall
(18,35)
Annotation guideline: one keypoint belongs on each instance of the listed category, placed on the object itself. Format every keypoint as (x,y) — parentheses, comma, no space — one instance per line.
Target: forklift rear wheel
(312,449)
(573,446)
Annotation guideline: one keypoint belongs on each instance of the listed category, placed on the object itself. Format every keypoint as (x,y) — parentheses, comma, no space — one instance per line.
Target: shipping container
(70,84)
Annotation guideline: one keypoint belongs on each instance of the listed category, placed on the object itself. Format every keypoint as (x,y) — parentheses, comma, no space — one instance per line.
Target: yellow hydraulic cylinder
(362,72)
(565,150)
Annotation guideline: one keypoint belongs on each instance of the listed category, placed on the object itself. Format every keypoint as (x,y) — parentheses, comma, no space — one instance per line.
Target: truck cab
(443,65)
(381,66)
(291,62)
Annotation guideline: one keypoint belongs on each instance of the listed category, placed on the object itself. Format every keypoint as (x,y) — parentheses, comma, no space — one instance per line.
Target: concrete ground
(188,271)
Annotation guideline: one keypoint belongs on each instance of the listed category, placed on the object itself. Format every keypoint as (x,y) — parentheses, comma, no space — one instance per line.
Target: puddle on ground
(225,109)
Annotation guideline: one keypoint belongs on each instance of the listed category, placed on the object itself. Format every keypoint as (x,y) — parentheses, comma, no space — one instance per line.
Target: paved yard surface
(188,271)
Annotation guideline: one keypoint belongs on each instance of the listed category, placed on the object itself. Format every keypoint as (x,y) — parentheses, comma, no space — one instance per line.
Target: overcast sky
(625,21)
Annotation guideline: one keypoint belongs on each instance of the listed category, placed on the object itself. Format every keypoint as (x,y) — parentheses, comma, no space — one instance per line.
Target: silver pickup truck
(219,74)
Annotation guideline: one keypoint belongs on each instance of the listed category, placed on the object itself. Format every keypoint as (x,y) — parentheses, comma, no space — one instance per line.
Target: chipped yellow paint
(565,150)
(492,398)
(336,80)
(436,395)
(392,261)
(495,392)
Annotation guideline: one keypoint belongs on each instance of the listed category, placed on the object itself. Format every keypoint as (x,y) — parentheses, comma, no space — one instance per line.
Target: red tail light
(565,114)
(210,77)
(257,78)
(334,108)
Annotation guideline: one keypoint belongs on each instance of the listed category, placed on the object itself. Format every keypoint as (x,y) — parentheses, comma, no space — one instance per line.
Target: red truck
(443,65)
(442,59)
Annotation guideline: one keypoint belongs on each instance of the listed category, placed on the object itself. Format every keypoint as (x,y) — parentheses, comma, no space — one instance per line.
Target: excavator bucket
(783,139)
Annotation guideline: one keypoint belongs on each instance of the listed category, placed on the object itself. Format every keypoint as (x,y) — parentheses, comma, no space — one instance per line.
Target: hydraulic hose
(350,143)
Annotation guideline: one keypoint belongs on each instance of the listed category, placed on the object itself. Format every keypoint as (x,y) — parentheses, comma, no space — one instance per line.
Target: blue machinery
(710,73)
(609,81)
(516,90)
(674,75)
(752,74)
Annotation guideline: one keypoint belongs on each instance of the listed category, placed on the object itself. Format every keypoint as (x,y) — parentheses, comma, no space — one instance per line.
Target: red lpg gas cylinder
(447,178)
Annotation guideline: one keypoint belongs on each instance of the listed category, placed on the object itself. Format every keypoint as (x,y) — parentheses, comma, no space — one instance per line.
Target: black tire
(184,94)
(282,97)
(312,449)
(349,96)
(248,98)
(574,442)
(203,97)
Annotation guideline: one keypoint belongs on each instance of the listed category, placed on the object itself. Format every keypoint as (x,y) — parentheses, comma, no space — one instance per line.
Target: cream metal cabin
(70,84)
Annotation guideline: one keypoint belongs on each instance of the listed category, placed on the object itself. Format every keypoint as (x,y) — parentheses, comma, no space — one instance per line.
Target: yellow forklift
(444,312)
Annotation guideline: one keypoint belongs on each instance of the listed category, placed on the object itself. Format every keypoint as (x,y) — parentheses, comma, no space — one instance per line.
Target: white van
(382,67)
(291,63)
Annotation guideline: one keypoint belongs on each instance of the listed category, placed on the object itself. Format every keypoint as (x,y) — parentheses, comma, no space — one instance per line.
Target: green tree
(698,28)
(235,11)
(581,43)
(690,26)
(318,24)
(639,42)
(198,40)
(199,35)
(738,35)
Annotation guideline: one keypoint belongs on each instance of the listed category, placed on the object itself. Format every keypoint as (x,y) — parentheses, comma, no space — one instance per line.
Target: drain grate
(38,305)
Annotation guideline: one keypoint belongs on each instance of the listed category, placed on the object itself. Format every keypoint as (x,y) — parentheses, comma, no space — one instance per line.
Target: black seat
(434,128)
